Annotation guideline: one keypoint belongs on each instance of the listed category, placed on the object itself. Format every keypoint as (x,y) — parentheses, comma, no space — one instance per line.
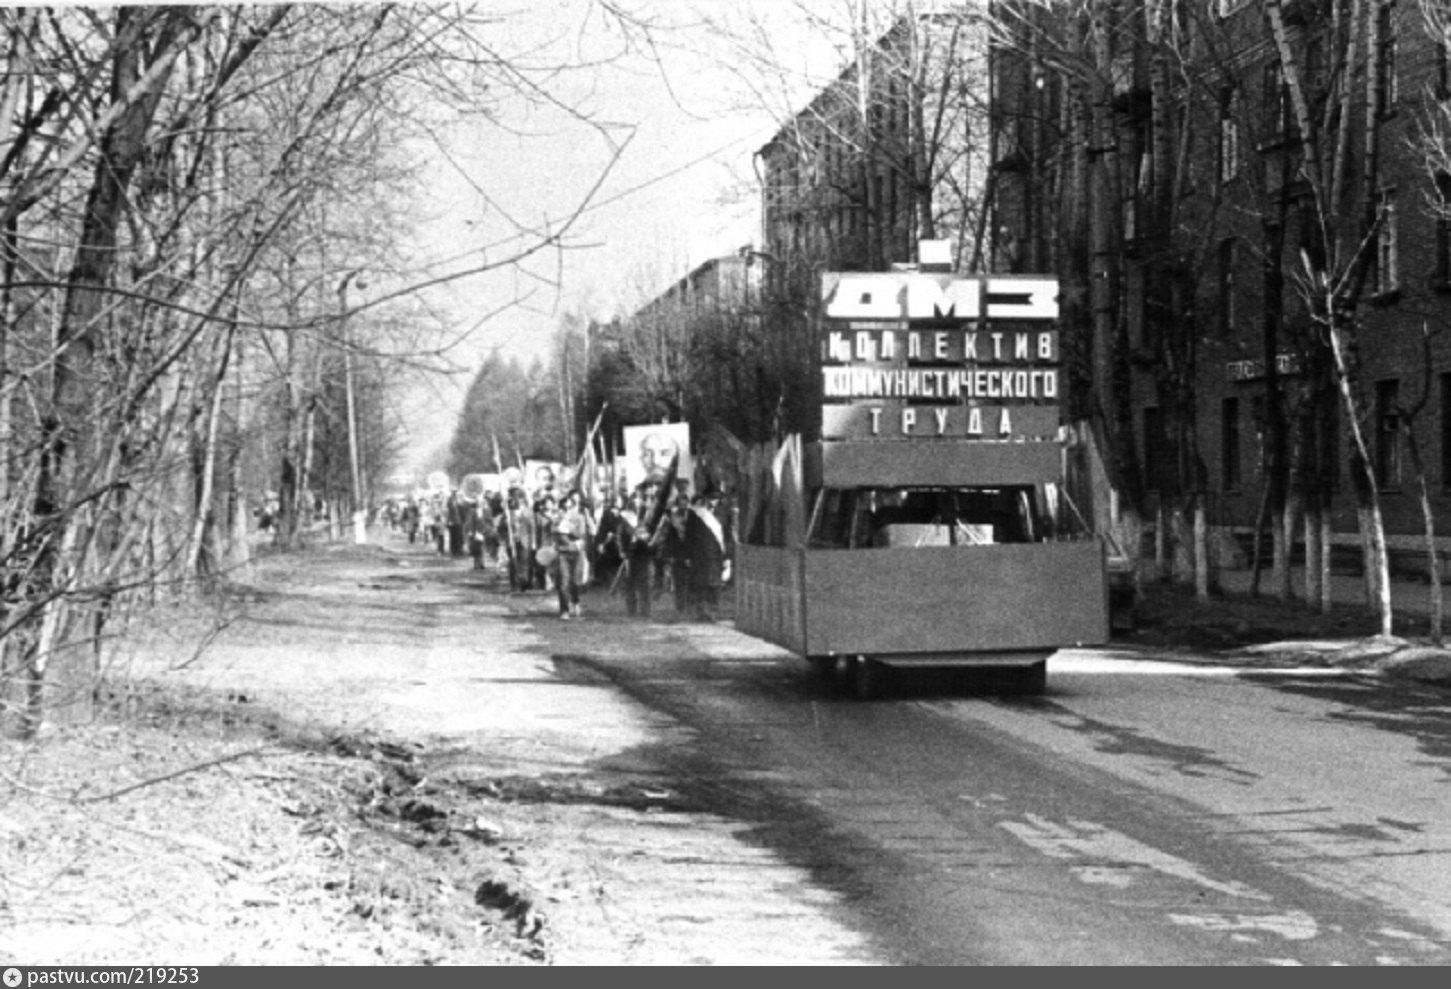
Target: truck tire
(1030,681)
(868,678)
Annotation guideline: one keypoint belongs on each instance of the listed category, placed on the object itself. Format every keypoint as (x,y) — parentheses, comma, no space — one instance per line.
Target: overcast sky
(679,193)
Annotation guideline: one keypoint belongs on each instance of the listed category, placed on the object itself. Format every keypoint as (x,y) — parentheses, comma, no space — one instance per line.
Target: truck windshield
(862,518)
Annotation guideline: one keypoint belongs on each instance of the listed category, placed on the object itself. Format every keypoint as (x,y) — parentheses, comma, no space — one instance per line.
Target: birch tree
(1340,156)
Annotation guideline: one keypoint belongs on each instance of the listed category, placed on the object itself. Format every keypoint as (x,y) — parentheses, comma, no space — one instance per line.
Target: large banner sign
(913,354)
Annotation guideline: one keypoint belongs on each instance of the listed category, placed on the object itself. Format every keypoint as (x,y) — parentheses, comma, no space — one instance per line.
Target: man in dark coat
(454,519)
(636,541)
(608,551)
(706,549)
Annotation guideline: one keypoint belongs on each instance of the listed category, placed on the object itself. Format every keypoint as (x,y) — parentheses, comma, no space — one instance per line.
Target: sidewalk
(1411,657)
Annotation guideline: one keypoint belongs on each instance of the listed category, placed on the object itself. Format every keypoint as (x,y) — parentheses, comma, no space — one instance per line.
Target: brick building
(894,151)
(1162,172)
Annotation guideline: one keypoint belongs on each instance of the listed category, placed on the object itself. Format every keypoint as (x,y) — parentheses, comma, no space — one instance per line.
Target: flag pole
(508,512)
(588,440)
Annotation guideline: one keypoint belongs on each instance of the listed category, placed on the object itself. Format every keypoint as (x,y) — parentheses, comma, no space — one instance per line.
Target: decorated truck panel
(927,527)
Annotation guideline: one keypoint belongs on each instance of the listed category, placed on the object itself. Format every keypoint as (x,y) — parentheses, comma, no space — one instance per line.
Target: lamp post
(360,512)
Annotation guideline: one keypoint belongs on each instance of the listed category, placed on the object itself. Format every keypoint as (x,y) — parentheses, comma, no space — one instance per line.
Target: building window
(1314,80)
(1229,444)
(1387,271)
(1440,73)
(1257,420)
(1446,432)
(1388,434)
(1226,287)
(1185,133)
(1388,91)
(1180,24)
(1153,450)
(1441,206)
(1332,447)
(1275,104)
(1228,145)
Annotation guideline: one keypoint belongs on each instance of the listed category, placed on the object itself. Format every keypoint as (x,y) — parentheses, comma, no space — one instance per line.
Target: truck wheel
(868,678)
(1030,680)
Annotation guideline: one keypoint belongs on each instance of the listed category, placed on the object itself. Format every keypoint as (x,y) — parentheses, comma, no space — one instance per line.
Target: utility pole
(360,511)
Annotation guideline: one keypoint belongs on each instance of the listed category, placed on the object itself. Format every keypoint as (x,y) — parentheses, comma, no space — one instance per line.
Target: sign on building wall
(1254,368)
(908,355)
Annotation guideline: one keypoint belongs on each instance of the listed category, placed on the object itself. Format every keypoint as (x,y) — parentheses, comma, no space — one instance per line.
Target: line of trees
(204,291)
(1164,131)
(1144,136)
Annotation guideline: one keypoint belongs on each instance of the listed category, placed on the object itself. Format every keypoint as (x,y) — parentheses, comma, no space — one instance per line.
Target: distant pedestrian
(707,549)
(639,554)
(521,534)
(570,531)
(411,518)
(608,554)
(673,563)
(545,510)
(454,520)
(478,528)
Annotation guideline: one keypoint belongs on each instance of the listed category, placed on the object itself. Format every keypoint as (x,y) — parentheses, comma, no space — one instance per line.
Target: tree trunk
(202,562)
(1202,562)
(68,432)
(1314,569)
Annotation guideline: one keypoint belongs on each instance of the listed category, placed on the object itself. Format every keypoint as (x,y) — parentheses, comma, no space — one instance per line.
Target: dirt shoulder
(377,759)
(210,817)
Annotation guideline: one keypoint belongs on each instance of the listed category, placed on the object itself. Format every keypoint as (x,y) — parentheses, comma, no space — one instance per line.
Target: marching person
(570,530)
(412,518)
(707,550)
(639,553)
(437,523)
(673,562)
(545,510)
(520,525)
(478,528)
(608,555)
(454,520)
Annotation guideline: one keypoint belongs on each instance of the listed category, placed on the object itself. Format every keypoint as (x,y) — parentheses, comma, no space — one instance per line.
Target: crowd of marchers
(654,542)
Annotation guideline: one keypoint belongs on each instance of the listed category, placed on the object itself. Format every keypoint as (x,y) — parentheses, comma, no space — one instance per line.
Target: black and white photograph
(724,483)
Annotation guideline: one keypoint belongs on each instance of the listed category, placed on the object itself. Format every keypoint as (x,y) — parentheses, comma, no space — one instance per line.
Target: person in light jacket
(570,532)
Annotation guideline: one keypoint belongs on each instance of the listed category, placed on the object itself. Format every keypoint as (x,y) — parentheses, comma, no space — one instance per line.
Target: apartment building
(1219,183)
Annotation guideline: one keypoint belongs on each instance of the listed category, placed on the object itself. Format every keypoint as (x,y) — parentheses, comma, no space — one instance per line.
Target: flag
(584,477)
(663,496)
(509,523)
(793,492)
(585,485)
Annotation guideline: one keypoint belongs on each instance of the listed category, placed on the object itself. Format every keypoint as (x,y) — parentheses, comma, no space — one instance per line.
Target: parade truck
(930,525)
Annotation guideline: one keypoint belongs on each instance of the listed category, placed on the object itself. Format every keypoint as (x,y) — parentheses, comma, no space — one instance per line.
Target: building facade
(892,152)
(1244,198)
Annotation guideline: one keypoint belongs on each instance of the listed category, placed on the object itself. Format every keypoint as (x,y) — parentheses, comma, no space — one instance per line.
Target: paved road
(706,799)
(1141,812)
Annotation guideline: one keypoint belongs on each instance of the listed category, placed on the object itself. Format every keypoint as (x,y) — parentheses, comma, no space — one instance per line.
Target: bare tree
(184,192)
(1340,160)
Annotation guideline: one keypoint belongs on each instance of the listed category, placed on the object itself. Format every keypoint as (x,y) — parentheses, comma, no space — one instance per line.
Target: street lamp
(360,512)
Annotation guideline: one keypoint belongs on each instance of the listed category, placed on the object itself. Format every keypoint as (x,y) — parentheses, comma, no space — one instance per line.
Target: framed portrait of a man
(649,450)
